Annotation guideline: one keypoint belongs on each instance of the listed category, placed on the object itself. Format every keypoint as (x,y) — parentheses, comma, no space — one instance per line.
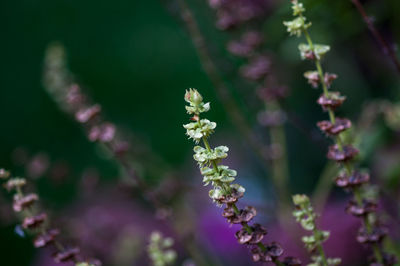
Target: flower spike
(224,191)
(343,153)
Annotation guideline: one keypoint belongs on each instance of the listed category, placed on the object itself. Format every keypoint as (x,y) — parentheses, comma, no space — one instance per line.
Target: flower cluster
(37,222)
(159,250)
(306,216)
(257,70)
(371,232)
(59,82)
(227,193)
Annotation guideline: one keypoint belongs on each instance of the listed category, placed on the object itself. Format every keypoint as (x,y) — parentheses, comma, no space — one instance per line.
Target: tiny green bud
(193,96)
(318,51)
(334,261)
(298,8)
(155,236)
(168,242)
(296,26)
(300,199)
(158,250)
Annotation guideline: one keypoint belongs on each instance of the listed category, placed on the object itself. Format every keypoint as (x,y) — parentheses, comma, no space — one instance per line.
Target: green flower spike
(160,251)
(306,216)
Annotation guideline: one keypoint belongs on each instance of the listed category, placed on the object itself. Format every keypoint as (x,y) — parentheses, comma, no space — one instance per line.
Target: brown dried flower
(46,238)
(345,154)
(332,101)
(103,133)
(377,234)
(35,221)
(341,124)
(66,255)
(24,202)
(84,115)
(368,206)
(231,198)
(355,179)
(255,236)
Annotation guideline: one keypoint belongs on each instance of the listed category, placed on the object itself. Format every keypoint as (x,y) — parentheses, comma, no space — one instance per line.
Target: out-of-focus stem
(386,47)
(280,164)
(232,109)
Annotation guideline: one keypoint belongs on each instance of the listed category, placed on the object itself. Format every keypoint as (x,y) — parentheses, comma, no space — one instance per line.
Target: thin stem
(232,109)
(386,47)
(347,166)
(368,226)
(320,73)
(235,208)
(322,253)
(320,248)
(280,165)
(339,140)
(29,212)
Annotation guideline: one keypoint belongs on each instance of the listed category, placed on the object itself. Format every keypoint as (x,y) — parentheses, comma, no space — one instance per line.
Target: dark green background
(135,58)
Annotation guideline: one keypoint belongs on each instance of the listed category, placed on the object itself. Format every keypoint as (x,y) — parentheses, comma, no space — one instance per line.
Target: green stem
(317,234)
(320,248)
(348,167)
(280,166)
(368,226)
(235,208)
(228,101)
(339,140)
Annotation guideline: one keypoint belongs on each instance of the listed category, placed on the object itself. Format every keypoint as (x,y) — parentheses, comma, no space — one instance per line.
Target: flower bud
(300,199)
(193,96)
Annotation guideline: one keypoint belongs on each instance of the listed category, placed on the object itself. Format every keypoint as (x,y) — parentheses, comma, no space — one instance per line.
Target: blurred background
(136,59)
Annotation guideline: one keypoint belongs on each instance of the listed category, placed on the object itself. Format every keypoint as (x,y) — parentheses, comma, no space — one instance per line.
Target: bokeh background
(136,59)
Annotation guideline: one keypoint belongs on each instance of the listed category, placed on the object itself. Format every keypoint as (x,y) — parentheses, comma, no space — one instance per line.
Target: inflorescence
(225,191)
(257,70)
(372,231)
(37,222)
(305,215)
(258,65)
(160,250)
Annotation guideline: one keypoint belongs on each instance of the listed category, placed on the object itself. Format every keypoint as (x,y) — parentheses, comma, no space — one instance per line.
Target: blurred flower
(38,165)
